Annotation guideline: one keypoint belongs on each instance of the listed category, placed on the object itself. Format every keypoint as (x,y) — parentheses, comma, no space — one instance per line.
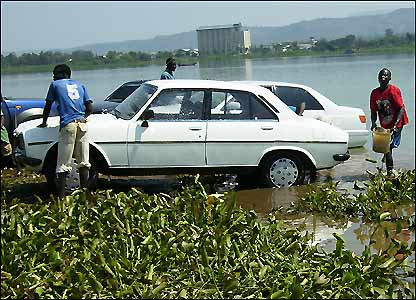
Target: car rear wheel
(283,170)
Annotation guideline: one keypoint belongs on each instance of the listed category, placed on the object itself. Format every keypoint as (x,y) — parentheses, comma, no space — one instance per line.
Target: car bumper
(341,157)
(358,138)
(23,161)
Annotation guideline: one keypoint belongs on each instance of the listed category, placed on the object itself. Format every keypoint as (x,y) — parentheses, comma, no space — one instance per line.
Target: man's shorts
(73,141)
(395,138)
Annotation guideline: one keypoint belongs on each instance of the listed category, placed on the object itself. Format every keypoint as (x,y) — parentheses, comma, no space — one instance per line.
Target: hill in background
(400,21)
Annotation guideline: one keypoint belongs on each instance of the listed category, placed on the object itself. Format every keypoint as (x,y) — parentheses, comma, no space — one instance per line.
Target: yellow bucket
(381,140)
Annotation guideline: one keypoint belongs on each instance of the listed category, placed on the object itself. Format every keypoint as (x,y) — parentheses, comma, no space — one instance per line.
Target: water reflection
(221,63)
(264,201)
(356,233)
(223,69)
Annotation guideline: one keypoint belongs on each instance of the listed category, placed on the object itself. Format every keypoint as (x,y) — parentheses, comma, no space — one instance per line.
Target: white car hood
(54,122)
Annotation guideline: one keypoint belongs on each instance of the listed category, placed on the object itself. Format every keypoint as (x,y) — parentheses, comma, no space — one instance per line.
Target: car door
(175,136)
(239,132)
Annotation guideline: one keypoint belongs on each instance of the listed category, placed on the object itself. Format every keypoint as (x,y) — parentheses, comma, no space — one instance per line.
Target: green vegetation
(369,203)
(348,45)
(189,244)
(86,60)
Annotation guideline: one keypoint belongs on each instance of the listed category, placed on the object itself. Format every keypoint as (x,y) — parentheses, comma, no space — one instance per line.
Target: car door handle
(266,127)
(195,128)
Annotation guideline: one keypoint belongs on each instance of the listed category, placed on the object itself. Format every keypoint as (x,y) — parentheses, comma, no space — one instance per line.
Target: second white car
(317,106)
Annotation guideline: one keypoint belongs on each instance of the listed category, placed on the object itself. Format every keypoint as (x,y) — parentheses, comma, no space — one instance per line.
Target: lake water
(347,80)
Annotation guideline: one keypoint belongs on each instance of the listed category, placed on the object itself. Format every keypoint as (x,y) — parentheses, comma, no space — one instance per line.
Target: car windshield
(133,103)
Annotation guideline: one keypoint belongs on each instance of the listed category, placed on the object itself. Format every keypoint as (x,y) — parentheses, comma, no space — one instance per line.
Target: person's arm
(397,98)
(399,117)
(48,105)
(301,108)
(373,120)
(88,109)
(373,111)
(45,114)
(87,103)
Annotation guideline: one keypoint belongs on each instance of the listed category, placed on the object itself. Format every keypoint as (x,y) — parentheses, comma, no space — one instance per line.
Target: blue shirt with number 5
(70,97)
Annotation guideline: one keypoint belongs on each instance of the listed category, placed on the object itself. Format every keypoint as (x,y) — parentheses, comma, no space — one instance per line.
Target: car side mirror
(147,115)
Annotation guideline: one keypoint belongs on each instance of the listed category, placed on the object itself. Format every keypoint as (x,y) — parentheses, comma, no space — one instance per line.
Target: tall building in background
(223,39)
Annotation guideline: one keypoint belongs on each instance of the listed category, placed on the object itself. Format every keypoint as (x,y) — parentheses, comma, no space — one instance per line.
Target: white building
(223,39)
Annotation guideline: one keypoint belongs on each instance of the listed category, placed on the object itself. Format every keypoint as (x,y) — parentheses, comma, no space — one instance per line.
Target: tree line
(349,42)
(79,57)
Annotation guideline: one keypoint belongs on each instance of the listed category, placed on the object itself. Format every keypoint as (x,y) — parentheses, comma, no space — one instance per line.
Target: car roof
(135,82)
(202,83)
(270,83)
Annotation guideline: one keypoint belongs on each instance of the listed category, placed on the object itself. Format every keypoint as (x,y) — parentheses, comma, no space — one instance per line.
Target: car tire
(93,175)
(50,175)
(72,181)
(283,170)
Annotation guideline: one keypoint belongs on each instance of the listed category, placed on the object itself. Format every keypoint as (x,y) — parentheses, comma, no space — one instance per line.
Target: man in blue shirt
(74,106)
(170,68)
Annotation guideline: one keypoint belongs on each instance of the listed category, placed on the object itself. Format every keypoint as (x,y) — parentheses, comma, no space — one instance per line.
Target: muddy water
(356,233)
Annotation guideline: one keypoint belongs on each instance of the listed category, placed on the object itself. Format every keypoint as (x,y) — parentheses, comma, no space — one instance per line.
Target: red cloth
(388,104)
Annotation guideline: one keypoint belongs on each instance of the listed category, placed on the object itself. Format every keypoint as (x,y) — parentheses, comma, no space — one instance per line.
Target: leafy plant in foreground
(187,244)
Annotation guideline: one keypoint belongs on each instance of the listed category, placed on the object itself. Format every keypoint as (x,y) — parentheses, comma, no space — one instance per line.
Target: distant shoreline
(189,61)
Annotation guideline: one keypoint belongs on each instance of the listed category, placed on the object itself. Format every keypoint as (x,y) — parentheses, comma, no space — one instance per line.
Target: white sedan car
(317,106)
(174,127)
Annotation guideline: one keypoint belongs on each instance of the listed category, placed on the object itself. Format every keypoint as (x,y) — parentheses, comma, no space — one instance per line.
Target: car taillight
(362,118)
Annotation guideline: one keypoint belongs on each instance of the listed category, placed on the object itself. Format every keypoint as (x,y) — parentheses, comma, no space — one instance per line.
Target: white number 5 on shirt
(72,91)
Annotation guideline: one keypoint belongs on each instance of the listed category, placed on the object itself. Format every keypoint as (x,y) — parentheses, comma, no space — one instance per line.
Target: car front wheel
(72,180)
(283,170)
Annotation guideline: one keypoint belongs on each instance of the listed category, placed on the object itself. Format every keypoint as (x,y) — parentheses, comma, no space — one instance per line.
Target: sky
(46,25)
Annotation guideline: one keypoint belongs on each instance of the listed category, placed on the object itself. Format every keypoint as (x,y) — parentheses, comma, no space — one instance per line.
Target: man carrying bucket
(386,103)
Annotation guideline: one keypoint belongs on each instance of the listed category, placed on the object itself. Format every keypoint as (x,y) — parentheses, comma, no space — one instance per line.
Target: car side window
(178,105)
(227,106)
(233,105)
(293,96)
(259,111)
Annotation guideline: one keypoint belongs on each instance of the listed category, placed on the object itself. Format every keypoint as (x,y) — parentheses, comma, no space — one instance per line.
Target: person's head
(384,77)
(61,71)
(171,64)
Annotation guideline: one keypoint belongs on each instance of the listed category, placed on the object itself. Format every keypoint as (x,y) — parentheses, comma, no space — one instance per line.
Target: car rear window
(293,96)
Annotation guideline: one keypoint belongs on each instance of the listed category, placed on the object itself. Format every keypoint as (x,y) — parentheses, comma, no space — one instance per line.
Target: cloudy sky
(43,25)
